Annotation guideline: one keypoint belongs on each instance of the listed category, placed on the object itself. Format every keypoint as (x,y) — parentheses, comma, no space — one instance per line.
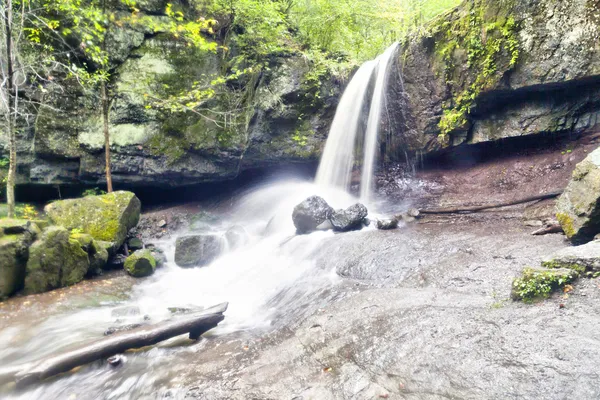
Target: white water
(384,62)
(338,157)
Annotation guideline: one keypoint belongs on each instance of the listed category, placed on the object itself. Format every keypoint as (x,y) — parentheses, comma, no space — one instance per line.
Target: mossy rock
(107,217)
(578,209)
(582,259)
(13,258)
(140,264)
(55,260)
(538,283)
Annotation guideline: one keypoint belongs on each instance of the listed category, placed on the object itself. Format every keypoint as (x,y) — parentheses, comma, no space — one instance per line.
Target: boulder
(14,251)
(55,260)
(580,258)
(349,219)
(578,209)
(236,237)
(311,213)
(387,224)
(107,217)
(197,250)
(135,244)
(140,264)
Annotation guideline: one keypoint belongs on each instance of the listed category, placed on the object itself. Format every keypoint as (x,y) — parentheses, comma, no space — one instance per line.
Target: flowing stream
(269,280)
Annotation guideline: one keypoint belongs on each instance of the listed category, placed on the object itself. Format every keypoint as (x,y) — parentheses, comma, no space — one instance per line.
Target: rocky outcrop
(106,218)
(140,264)
(311,213)
(491,70)
(583,259)
(197,250)
(578,209)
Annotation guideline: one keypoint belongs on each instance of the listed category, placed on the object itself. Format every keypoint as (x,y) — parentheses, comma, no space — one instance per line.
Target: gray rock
(14,251)
(349,219)
(578,209)
(387,224)
(197,250)
(311,213)
(580,258)
(135,244)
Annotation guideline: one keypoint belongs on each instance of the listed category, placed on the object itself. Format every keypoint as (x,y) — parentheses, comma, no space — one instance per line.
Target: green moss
(485,38)
(567,224)
(536,284)
(140,264)
(580,269)
(107,217)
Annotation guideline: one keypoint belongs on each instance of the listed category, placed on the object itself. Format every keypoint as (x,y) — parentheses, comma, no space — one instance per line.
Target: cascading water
(384,62)
(272,279)
(338,159)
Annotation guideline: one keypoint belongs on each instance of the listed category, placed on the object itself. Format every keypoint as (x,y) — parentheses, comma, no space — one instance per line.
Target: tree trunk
(10,181)
(105,109)
(195,325)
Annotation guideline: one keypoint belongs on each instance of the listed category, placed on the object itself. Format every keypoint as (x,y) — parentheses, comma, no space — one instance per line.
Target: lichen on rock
(140,264)
(106,217)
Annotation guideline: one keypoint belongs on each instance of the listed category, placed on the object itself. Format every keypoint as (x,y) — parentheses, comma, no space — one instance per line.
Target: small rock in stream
(127,311)
(387,224)
(311,213)
(115,361)
(350,218)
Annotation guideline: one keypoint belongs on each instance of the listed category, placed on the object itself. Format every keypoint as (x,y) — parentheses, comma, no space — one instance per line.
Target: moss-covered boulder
(197,250)
(140,264)
(578,209)
(96,250)
(55,260)
(14,251)
(107,217)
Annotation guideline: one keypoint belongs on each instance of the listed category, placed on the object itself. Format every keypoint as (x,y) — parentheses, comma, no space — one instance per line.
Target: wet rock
(387,224)
(579,258)
(14,251)
(311,213)
(116,262)
(107,217)
(124,328)
(115,361)
(162,223)
(197,250)
(236,237)
(159,256)
(140,264)
(135,244)
(578,209)
(414,213)
(55,260)
(349,219)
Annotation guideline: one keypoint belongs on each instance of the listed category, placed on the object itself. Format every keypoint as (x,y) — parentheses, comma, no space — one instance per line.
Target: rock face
(578,209)
(106,218)
(311,213)
(55,260)
(349,219)
(197,250)
(140,264)
(492,70)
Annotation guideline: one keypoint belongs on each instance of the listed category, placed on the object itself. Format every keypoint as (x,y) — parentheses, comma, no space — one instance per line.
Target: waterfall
(337,162)
(338,158)
(383,68)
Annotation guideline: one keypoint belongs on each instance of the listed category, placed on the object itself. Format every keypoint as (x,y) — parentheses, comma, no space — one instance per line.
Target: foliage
(536,285)
(92,192)
(26,211)
(492,48)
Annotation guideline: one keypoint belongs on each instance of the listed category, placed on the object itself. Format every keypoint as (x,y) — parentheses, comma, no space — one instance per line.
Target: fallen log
(493,205)
(554,228)
(195,325)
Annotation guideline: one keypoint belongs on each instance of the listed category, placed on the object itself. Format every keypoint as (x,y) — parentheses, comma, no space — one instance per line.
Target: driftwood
(490,206)
(554,228)
(194,324)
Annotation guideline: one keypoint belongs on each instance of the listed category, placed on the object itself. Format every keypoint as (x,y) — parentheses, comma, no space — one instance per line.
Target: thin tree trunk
(105,109)
(10,181)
